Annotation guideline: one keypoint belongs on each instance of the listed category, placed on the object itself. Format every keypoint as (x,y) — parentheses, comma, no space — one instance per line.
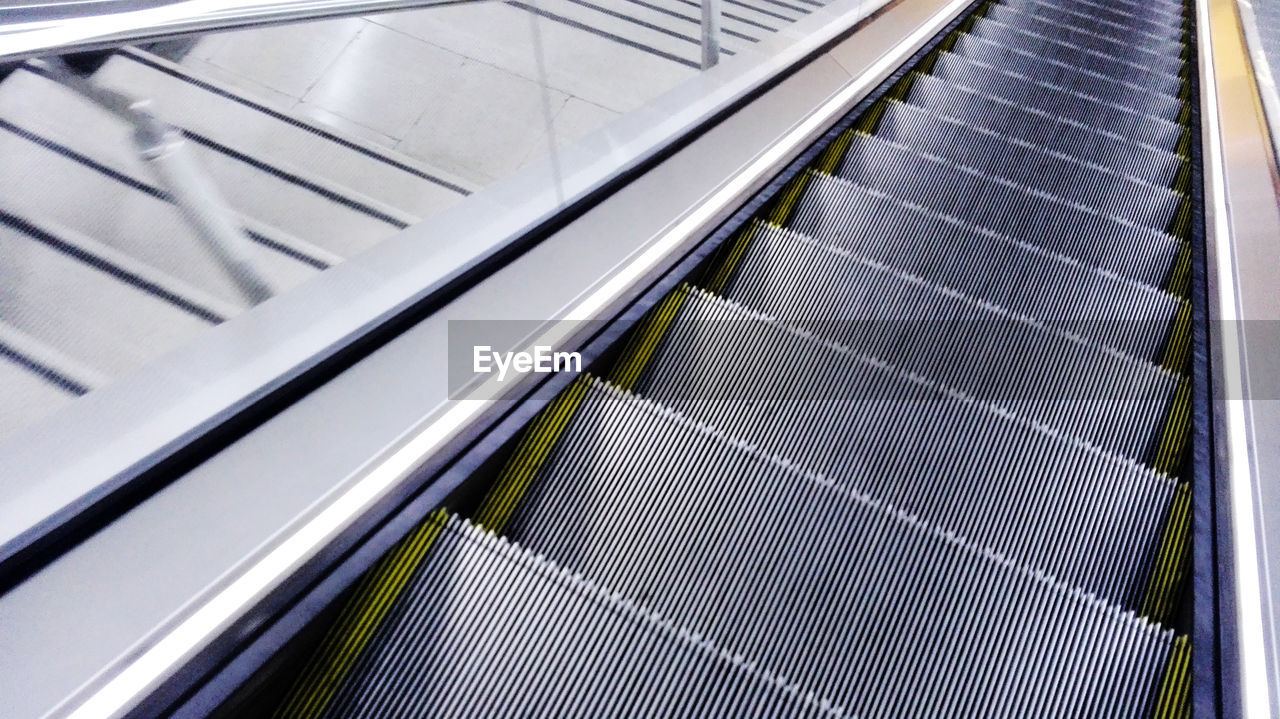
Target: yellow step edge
(1169,564)
(644,339)
(831,157)
(358,621)
(784,207)
(531,451)
(1179,283)
(1169,451)
(732,256)
(867,124)
(1173,698)
(1182,180)
(1180,225)
(1177,349)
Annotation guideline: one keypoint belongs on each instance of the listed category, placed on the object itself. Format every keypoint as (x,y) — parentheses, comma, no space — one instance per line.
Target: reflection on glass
(1261,20)
(152,193)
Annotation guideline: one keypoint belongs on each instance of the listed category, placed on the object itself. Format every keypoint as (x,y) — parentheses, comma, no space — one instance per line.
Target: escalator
(911,442)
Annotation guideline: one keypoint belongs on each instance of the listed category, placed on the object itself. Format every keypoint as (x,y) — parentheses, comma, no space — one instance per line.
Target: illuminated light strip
(156,662)
(1254,688)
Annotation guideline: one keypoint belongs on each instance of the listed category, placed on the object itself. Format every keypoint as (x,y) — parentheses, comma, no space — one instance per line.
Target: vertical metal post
(166,151)
(710,33)
(548,119)
(169,156)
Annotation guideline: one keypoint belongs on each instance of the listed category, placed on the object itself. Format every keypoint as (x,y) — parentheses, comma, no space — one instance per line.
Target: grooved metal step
(998,205)
(1164,57)
(1166,27)
(1069,137)
(833,423)
(1049,95)
(1162,41)
(1162,13)
(535,638)
(720,350)
(1036,167)
(1154,101)
(1127,316)
(1158,78)
(822,584)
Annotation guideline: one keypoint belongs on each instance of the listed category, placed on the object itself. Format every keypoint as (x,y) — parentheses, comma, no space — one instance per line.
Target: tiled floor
(454,87)
(460,87)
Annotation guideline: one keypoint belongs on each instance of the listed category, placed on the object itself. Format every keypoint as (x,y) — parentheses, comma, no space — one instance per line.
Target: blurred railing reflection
(153,191)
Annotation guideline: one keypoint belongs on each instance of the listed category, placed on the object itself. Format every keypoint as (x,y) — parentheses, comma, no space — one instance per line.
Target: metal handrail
(26,32)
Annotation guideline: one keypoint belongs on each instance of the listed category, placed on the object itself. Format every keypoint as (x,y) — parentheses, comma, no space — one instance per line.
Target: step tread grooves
(905,445)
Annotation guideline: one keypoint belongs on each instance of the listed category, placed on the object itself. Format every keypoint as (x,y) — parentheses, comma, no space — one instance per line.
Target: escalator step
(1162,40)
(1035,167)
(1159,42)
(1072,102)
(1164,57)
(1130,317)
(860,603)
(1106,400)
(830,410)
(976,347)
(1153,101)
(1155,78)
(1166,26)
(490,630)
(855,217)
(1164,8)
(998,205)
(1085,143)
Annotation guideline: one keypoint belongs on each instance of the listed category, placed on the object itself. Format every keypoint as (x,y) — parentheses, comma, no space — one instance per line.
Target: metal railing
(710,33)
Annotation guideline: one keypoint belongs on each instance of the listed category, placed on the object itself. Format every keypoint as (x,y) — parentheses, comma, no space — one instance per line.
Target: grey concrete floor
(455,87)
